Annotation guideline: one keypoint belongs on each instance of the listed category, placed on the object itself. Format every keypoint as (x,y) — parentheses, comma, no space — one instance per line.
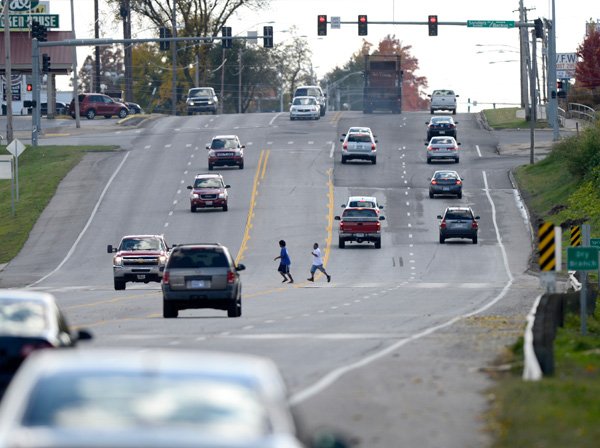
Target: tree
(587,70)
(111,70)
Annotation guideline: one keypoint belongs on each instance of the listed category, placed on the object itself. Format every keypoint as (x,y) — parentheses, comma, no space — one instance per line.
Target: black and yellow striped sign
(546,247)
(576,236)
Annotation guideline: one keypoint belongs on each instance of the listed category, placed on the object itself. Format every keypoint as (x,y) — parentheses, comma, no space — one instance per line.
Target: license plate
(198,284)
(446,189)
(209,202)
(360,235)
(442,132)
(141,277)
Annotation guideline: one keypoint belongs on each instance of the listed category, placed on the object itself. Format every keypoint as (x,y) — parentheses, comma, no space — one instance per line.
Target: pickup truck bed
(360,225)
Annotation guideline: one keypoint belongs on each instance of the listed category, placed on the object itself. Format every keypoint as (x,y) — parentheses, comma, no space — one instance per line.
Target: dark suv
(201,276)
(441,125)
(458,222)
(92,104)
(202,99)
(208,191)
(225,150)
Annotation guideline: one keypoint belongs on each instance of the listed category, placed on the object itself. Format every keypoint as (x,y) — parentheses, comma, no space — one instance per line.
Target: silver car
(201,276)
(304,107)
(442,148)
(158,398)
(359,145)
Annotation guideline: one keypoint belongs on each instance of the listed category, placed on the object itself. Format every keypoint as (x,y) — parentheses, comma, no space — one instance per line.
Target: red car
(92,104)
(208,191)
(225,150)
(360,225)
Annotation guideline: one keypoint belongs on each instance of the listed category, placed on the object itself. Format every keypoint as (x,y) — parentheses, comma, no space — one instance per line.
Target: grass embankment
(40,171)
(506,118)
(563,410)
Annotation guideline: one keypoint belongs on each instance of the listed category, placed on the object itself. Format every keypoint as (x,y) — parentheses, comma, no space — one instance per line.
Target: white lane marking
(171,213)
(87,224)
(407,213)
(248,143)
(178,191)
(166,224)
(310,142)
(321,311)
(147,147)
(410,236)
(331,151)
(189,163)
(336,374)
(407,203)
(188,145)
(290,142)
(248,327)
(175,202)
(168,145)
(269,143)
(274,118)
(478,151)
(270,321)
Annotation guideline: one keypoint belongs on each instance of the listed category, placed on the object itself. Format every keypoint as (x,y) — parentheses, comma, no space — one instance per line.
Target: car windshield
(200,92)
(304,101)
(223,143)
(442,141)
(360,213)
(198,258)
(368,204)
(443,92)
(446,175)
(359,138)
(308,91)
(208,183)
(458,214)
(441,121)
(21,317)
(359,130)
(115,400)
(132,244)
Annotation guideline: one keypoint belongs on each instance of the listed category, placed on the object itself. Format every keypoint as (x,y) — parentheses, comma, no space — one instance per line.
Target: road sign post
(595,242)
(16,148)
(583,259)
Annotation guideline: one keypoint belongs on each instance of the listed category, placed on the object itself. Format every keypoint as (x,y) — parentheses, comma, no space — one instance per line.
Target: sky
(480,64)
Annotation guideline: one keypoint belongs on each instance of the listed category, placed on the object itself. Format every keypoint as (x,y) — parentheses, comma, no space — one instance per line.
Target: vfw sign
(22,5)
(565,65)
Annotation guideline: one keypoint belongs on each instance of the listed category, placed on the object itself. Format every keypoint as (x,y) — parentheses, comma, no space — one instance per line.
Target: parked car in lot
(59,108)
(92,104)
(208,191)
(362,146)
(363,202)
(304,107)
(202,99)
(159,398)
(30,321)
(225,150)
(458,222)
(201,276)
(445,182)
(443,125)
(359,225)
(442,148)
(138,258)
(134,108)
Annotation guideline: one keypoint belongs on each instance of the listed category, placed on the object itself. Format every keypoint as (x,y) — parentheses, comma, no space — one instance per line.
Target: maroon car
(92,104)
(225,150)
(208,191)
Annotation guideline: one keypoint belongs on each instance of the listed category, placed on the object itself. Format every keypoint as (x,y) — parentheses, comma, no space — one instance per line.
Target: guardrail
(581,112)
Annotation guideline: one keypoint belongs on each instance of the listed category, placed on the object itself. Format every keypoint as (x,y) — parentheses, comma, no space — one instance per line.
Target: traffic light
(322,25)
(36,30)
(164,33)
(432,21)
(539,28)
(362,25)
(45,63)
(226,42)
(43,34)
(559,85)
(268,36)
(29,87)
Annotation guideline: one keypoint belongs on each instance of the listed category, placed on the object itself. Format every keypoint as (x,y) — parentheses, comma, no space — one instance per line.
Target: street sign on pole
(582,258)
(490,23)
(335,23)
(595,242)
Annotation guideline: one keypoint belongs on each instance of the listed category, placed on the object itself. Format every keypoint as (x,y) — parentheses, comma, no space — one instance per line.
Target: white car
(315,91)
(305,107)
(359,130)
(359,145)
(158,398)
(363,202)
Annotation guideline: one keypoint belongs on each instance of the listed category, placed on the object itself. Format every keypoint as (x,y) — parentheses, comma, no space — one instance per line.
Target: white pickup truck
(443,100)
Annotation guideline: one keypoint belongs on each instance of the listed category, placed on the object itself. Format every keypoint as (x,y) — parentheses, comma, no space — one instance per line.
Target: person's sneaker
(328,278)
(310,279)
(284,280)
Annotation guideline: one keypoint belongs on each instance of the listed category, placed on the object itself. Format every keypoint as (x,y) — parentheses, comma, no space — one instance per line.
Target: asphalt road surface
(393,351)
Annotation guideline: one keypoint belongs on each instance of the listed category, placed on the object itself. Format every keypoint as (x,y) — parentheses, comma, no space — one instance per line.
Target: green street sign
(595,242)
(490,23)
(582,258)
(23,21)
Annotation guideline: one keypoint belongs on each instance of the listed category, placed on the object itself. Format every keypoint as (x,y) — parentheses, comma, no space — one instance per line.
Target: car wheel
(123,113)
(225,208)
(459,195)
(341,243)
(107,116)
(378,244)
(442,239)
(475,239)
(119,284)
(91,114)
(431,111)
(291,118)
(343,160)
(454,112)
(242,166)
(169,310)
(214,112)
(190,112)
(210,167)
(456,160)
(431,195)
(428,160)
(193,208)
(374,160)
(236,309)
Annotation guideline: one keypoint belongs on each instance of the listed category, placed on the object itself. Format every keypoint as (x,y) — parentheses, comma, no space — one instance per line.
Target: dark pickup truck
(360,225)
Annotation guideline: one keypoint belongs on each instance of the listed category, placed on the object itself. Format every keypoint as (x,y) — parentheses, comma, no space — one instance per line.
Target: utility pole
(174,61)
(128,51)
(240,67)
(97,49)
(75,77)
(524,50)
(533,117)
(222,94)
(8,75)
(553,100)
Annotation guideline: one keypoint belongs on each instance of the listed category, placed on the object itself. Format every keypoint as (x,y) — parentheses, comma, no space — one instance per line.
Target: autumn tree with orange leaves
(413,86)
(587,71)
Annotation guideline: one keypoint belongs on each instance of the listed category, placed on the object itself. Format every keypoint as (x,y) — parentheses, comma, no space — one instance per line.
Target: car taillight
(341,226)
(474,225)
(27,349)
(443,225)
(458,182)
(373,147)
(345,146)
(165,278)
(230,277)
(378,225)
(434,182)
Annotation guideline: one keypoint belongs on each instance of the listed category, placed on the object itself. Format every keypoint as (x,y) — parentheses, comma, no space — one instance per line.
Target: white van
(443,100)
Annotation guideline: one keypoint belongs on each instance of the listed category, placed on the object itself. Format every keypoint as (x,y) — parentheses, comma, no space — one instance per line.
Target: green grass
(40,171)
(506,118)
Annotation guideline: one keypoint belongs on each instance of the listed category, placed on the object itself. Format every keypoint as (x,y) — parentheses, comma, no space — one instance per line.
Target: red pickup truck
(360,224)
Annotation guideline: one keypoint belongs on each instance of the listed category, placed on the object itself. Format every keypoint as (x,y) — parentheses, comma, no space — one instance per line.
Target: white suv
(315,91)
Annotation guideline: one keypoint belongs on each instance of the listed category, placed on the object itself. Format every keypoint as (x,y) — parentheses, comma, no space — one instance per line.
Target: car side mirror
(240,267)
(109,249)
(341,139)
(456,96)
(83,335)
(456,122)
(458,143)
(343,205)
(425,143)
(337,218)
(477,217)
(343,135)
(243,146)
(426,122)
(376,141)
(439,216)
(227,186)
(382,218)
(189,187)
(207,146)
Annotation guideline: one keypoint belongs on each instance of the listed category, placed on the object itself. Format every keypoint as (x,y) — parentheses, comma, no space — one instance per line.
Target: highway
(391,352)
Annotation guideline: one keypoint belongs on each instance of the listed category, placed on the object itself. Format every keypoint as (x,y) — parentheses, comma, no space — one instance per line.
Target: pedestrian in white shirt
(317,264)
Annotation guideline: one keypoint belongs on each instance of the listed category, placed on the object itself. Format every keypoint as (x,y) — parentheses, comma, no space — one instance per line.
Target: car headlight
(221,195)
(195,195)
(210,102)
(211,153)
(118,261)
(162,259)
